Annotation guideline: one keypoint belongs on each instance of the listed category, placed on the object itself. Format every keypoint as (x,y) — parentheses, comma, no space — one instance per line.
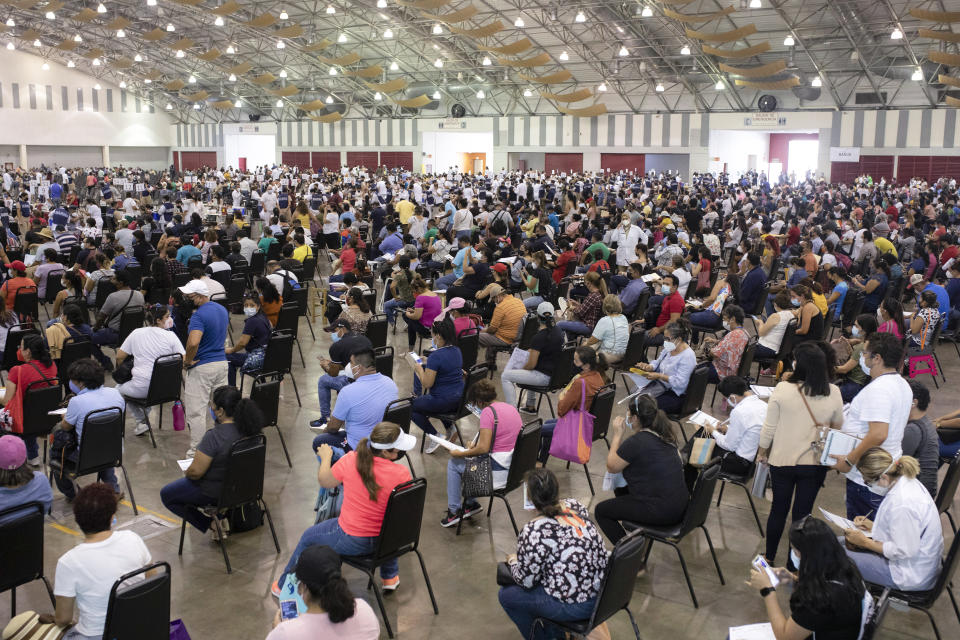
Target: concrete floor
(216,605)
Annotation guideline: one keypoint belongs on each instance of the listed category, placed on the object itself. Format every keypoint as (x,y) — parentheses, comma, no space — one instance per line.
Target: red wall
(559,162)
(176,160)
(368,159)
(929,168)
(190,160)
(397,159)
(325,159)
(876,166)
(622,162)
(300,159)
(780,148)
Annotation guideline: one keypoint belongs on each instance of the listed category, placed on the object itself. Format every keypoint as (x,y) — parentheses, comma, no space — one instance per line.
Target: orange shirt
(361,516)
(12,286)
(271,309)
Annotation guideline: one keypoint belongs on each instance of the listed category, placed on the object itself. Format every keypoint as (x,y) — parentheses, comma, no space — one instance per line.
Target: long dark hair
(810,369)
(356,295)
(828,580)
(446,329)
(645,409)
(244,411)
(38,349)
(383,433)
(74,280)
(544,491)
(330,590)
(267,290)
(596,361)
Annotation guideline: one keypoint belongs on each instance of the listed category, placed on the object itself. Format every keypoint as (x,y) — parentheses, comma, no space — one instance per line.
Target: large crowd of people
(840,292)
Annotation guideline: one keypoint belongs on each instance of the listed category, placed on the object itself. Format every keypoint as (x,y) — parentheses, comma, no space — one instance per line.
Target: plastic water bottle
(179,416)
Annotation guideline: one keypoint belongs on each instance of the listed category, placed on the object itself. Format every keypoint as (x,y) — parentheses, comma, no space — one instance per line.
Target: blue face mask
(213,416)
(74,388)
(335,336)
(433,345)
(665,289)
(795,303)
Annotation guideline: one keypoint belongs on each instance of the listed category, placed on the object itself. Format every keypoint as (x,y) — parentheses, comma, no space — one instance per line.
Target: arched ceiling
(376,58)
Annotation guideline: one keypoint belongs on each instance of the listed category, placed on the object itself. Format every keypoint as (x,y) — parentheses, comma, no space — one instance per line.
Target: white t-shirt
(87,572)
(146,344)
(276,278)
(331,222)
(886,399)
(363,625)
(218,266)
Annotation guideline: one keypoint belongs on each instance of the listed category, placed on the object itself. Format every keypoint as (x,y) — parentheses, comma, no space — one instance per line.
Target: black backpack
(498,226)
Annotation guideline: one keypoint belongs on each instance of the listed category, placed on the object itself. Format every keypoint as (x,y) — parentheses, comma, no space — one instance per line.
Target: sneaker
(319,425)
(140,429)
(472,508)
(391,584)
(432,446)
(450,519)
(34,462)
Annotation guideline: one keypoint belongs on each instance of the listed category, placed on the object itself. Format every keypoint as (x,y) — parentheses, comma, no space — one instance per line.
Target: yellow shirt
(405,210)
(818,299)
(304,221)
(302,252)
(885,246)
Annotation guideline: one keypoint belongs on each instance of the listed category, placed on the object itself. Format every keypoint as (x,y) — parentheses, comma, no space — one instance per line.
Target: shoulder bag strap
(496,420)
(42,374)
(583,395)
(807,405)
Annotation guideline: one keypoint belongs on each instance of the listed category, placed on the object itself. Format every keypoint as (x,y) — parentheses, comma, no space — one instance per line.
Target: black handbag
(124,371)
(505,575)
(478,475)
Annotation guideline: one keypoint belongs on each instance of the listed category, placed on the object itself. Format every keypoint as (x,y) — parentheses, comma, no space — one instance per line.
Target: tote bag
(573,435)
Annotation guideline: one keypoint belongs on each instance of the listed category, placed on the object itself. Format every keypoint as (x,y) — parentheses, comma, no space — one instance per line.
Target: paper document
(761,392)
(651,277)
(842,522)
(702,419)
(185,464)
(446,444)
(696,304)
(639,382)
(509,260)
(837,445)
(760,631)
(57,412)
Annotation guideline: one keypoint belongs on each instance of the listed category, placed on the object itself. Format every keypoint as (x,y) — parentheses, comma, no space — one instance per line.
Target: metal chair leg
(295,390)
(686,574)
(753,508)
(383,609)
(183,532)
(53,600)
(713,553)
(426,578)
(953,525)
(273,531)
(636,630)
(589,481)
(720,493)
(13,602)
(126,481)
(284,445)
(223,546)
(146,416)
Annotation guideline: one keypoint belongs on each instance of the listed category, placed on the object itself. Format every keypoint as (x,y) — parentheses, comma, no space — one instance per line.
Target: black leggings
(415,329)
(799,484)
(641,510)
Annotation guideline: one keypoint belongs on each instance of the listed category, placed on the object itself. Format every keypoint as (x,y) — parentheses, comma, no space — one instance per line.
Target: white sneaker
(191,452)
(431,446)
(451,432)
(35,462)
(140,429)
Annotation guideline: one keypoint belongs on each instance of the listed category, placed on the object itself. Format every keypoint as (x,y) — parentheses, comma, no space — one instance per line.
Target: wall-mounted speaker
(458,110)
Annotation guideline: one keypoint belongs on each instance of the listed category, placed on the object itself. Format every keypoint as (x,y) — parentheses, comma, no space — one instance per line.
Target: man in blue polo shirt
(920,284)
(360,405)
(205,359)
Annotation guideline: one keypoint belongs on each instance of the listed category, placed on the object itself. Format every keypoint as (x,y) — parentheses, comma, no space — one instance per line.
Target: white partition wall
(256,142)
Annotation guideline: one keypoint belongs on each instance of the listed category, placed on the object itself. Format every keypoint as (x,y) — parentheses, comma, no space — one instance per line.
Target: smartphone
(288,609)
(416,358)
(760,564)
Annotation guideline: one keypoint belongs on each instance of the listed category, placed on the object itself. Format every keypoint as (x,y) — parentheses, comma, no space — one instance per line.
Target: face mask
(731,402)
(249,311)
(335,336)
(795,303)
(665,289)
(20,356)
(726,325)
(626,223)
(433,345)
(863,364)
(795,559)
(168,323)
(879,316)
(669,345)
(74,388)
(213,415)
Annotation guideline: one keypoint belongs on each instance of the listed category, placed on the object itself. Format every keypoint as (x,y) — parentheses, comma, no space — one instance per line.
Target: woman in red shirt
(37,366)
(368,475)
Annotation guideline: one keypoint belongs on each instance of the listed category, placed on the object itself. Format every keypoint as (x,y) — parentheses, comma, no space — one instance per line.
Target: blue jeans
(182,497)
(574,327)
(946,450)
(103,336)
(325,385)
(706,319)
(390,307)
(330,534)
(66,487)
(546,439)
(874,568)
(337,441)
(444,282)
(849,390)
(431,404)
(524,606)
(455,467)
(861,501)
(234,362)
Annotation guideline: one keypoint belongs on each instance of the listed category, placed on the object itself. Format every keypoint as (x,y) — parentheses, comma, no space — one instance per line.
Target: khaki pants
(199,384)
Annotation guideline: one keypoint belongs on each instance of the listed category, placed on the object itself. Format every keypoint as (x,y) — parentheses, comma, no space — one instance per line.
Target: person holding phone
(332,610)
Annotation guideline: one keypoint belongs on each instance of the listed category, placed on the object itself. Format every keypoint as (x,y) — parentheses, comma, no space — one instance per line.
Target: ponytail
(336,599)
(382,433)
(652,418)
(245,412)
(356,294)
(596,361)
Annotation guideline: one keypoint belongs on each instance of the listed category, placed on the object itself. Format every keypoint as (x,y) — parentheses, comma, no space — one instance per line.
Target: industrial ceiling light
(122,85)
(481,95)
(659,88)
(101,8)
(381,4)
(138,58)
(97,86)
(438,63)
(603,87)
(170,27)
(50,15)
(180,53)
(284,16)
(377,96)
(580,17)
(121,33)
(333,71)
(816,82)
(37,43)
(279,104)
(232,78)
(387,34)
(564,56)
(486,61)
(96,62)
(192,79)
(70,64)
(647,12)
(719,86)
(10,46)
(11,23)
(45,66)
(896,34)
(755,4)
(218,22)
(685,50)
(147,81)
(436,95)
(231,50)
(917,75)
(283,73)
(527,93)
(168,107)
(330,10)
(281,44)
(394,66)
(238,104)
(151,3)
(329,100)
(518,23)
(623,52)
(342,38)
(77,38)
(788,41)
(437,29)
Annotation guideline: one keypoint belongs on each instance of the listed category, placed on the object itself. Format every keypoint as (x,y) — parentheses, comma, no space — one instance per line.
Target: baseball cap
(545,310)
(916,279)
(318,565)
(342,322)
(499,267)
(13,452)
(455,303)
(195,287)
(495,290)
(16,264)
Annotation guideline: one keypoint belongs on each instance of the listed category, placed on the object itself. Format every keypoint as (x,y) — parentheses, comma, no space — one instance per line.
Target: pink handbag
(573,435)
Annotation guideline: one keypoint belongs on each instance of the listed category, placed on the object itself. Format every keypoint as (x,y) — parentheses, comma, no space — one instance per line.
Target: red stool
(928,363)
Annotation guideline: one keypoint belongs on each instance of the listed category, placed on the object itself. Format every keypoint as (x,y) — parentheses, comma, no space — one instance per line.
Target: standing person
(205,359)
(794,410)
(878,415)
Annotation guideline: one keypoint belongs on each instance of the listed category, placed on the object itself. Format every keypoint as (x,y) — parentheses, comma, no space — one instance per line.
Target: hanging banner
(844,154)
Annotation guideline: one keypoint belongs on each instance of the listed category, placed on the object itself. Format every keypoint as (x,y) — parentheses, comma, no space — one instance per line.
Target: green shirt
(856,374)
(265,242)
(602,248)
(430,234)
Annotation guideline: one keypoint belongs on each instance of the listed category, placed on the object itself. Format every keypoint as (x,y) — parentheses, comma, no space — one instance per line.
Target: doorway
(474,162)
(802,156)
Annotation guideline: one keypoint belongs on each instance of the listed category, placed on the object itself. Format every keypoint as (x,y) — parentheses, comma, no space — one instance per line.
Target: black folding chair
(289,322)
(619,577)
(76,348)
(140,609)
(266,394)
(693,399)
(21,550)
(524,459)
(399,535)
(101,448)
(377,330)
(562,374)
(166,379)
(400,412)
(300,297)
(39,399)
(741,480)
(131,318)
(52,286)
(602,411)
(104,288)
(468,341)
(694,518)
(948,489)
(277,360)
(474,375)
(15,336)
(27,304)
(242,485)
(384,360)
(743,369)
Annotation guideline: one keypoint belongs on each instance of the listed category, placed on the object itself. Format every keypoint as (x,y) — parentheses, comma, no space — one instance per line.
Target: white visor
(404,442)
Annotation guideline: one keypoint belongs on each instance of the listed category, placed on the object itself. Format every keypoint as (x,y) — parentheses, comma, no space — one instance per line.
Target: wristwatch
(766,591)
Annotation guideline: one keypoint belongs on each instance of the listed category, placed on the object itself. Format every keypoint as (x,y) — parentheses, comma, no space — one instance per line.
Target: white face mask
(669,345)
(726,325)
(795,559)
(863,364)
(732,402)
(854,331)
(249,311)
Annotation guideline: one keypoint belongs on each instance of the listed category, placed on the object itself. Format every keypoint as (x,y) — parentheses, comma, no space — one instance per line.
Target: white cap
(404,442)
(196,287)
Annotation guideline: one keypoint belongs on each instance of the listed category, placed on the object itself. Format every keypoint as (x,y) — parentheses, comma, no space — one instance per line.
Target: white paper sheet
(185,464)
(57,412)
(761,392)
(842,522)
(650,277)
(446,444)
(759,631)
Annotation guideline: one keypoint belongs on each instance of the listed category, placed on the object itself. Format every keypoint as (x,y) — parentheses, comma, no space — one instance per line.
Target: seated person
(332,610)
(234,418)
(770,333)
(541,360)
(86,381)
(107,329)
(670,373)
(38,367)
(906,546)
(438,382)
(853,377)
(922,325)
(584,315)
(612,331)
(647,456)
(252,342)
(592,368)
(336,375)
(500,424)
(671,308)
(737,440)
(561,536)
(828,592)
(726,354)
(920,437)
(710,311)
(19,484)
(368,474)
